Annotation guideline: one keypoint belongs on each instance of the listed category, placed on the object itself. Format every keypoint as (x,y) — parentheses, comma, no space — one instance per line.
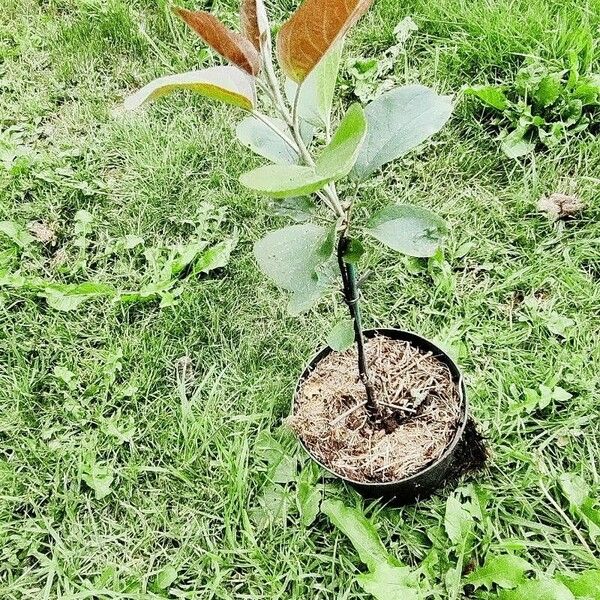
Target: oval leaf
(518,142)
(284,181)
(341,337)
(409,229)
(264,141)
(317,90)
(292,257)
(312,30)
(231,45)
(16,233)
(397,122)
(255,23)
(227,84)
(165,578)
(338,157)
(354,251)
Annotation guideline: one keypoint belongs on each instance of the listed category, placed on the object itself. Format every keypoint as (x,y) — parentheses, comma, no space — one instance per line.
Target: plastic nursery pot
(426,481)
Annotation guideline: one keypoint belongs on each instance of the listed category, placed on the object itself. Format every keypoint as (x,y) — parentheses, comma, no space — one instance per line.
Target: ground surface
(135,438)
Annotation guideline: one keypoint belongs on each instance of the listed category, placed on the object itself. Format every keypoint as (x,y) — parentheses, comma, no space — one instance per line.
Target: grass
(173,400)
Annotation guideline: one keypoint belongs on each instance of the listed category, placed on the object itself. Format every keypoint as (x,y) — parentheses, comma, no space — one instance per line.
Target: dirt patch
(414,390)
(42,232)
(560,206)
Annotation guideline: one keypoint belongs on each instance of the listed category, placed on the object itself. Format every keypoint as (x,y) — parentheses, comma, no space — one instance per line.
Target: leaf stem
(293,122)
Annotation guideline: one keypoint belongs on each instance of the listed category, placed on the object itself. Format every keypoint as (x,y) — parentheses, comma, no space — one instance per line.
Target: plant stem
(352,298)
(292,120)
(331,199)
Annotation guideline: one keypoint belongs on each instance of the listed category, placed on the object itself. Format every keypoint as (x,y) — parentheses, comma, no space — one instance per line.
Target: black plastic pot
(425,482)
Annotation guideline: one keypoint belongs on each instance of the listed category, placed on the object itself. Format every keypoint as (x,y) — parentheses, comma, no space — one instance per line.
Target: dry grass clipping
(413,388)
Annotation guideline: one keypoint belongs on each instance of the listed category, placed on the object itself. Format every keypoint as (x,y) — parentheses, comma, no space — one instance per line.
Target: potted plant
(383,409)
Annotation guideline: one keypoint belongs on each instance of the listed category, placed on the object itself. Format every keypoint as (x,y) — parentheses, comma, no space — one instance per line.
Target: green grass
(189,480)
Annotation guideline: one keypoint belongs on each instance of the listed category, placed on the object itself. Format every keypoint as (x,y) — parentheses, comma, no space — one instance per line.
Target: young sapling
(289,123)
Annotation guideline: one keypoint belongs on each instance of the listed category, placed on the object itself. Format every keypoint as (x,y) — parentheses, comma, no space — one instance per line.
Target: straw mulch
(418,403)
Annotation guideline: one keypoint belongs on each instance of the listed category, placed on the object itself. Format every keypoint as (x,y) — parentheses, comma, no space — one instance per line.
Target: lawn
(141,447)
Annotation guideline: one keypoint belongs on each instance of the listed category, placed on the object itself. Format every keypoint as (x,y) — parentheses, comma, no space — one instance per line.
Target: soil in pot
(419,411)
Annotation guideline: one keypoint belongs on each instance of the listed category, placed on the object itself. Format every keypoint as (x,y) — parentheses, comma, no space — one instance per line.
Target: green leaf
(354,251)
(120,428)
(165,578)
(308,496)
(528,404)
(328,245)
(490,95)
(360,530)
(515,144)
(584,585)
(66,376)
(273,506)
(339,156)
(341,337)
(286,469)
(335,161)
(506,571)
(299,209)
(548,90)
(216,257)
(317,90)
(587,89)
(575,489)
(303,300)
(546,589)
(65,297)
(99,478)
(388,582)
(282,181)
(227,84)
(458,521)
(291,257)
(260,138)
(282,466)
(186,254)
(16,233)
(409,229)
(558,324)
(106,578)
(581,504)
(388,579)
(397,122)
(561,395)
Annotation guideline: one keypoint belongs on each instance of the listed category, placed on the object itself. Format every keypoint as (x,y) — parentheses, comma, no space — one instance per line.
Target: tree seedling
(288,122)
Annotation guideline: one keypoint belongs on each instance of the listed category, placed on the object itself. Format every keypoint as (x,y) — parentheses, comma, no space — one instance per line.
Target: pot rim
(449,448)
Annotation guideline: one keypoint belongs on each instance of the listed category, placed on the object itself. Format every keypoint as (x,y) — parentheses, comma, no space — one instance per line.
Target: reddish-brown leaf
(255,23)
(229,44)
(312,30)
